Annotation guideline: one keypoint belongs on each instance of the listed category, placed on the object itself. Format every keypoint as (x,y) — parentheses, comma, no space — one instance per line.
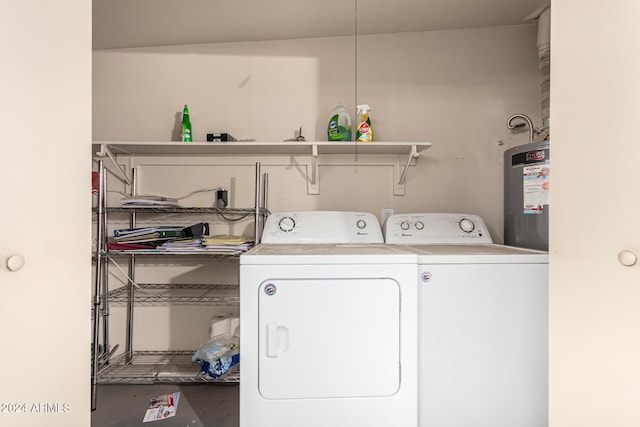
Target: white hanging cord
(355,26)
(204,190)
(129,279)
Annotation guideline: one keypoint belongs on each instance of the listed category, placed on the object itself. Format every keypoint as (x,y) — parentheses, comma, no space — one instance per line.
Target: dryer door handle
(277,339)
(272,339)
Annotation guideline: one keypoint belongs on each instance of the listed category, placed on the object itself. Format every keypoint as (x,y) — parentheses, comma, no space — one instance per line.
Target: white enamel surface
(333,350)
(329,330)
(434,228)
(315,227)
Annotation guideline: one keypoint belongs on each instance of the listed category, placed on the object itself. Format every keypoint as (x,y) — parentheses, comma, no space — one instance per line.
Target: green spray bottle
(186,125)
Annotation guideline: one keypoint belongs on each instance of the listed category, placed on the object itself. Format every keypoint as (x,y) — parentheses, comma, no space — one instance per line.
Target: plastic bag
(219,356)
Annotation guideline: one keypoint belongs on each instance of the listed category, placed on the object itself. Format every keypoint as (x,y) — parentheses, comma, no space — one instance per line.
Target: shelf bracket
(313,186)
(398,189)
(106,151)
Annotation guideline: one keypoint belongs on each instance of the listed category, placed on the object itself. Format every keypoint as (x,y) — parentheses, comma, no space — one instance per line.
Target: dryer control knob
(466,225)
(404,225)
(287,224)
(627,258)
(419,225)
(361,224)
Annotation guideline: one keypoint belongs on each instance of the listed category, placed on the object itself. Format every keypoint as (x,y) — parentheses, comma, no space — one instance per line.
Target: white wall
(452,88)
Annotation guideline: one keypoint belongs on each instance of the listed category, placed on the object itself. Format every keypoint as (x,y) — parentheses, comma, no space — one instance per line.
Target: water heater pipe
(544,55)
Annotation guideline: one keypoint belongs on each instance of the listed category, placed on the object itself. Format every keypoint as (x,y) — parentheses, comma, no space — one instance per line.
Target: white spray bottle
(364,132)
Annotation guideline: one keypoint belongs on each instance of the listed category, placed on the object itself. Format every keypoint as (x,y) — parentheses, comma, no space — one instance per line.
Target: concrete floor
(200,405)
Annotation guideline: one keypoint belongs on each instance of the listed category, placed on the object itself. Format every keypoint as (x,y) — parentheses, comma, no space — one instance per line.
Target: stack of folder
(147,234)
(160,234)
(220,244)
(149,202)
(179,239)
(227,244)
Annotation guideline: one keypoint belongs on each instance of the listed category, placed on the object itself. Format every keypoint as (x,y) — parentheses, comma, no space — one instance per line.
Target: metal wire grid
(196,210)
(149,367)
(209,254)
(158,294)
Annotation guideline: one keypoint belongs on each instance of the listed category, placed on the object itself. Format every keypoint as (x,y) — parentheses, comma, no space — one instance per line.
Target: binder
(161,233)
(131,232)
(196,230)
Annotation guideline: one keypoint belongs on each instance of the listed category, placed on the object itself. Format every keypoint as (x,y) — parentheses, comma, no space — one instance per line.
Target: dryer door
(323,338)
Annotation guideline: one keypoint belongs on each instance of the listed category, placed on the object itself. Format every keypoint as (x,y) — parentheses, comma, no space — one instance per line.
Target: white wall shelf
(400,155)
(261,148)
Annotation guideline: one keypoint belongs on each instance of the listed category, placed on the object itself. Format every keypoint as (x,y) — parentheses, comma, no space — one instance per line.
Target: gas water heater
(526,196)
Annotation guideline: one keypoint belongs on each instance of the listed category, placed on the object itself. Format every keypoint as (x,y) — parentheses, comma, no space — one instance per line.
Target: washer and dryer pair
(340,328)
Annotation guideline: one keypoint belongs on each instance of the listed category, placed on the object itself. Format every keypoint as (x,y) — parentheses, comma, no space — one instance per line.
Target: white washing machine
(328,320)
(482,323)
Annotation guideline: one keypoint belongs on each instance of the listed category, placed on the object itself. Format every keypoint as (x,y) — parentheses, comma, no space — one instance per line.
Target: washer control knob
(15,262)
(404,225)
(627,258)
(361,224)
(287,224)
(466,225)
(419,225)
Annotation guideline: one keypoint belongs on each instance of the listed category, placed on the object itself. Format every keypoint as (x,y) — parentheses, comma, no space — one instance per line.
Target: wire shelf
(189,210)
(182,254)
(159,294)
(150,367)
(171,215)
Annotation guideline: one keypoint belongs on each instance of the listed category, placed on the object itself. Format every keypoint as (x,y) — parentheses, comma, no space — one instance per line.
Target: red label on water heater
(535,156)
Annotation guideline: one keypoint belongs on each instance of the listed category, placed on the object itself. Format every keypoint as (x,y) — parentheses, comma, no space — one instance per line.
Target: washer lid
(477,254)
(339,253)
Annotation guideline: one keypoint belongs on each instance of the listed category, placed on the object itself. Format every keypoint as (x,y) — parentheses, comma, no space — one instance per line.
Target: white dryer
(482,323)
(328,325)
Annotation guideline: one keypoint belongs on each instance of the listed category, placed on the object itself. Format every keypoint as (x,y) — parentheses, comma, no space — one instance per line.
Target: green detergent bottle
(339,127)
